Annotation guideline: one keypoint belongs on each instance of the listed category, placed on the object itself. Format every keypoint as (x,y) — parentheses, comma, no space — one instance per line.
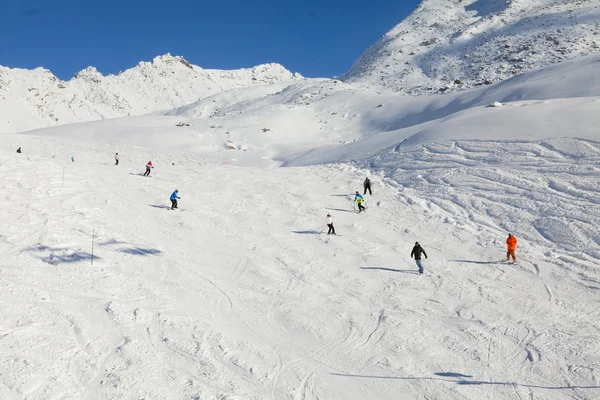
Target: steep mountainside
(453,44)
(36,98)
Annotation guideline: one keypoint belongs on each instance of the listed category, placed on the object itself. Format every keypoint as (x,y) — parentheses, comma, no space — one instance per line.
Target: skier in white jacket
(330,224)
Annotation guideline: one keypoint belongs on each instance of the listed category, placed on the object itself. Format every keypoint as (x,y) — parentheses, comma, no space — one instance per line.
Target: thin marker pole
(93,237)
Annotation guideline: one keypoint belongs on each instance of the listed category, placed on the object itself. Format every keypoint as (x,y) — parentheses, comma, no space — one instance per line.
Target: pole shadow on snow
(475,262)
(340,209)
(307,232)
(463,381)
(404,271)
(341,195)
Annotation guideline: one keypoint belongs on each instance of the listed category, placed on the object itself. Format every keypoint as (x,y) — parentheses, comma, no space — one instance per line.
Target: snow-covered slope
(35,98)
(454,44)
(238,295)
(320,121)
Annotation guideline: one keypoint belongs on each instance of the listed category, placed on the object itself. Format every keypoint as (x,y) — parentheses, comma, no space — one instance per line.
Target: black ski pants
(331,229)
(147,173)
(173,204)
(368,187)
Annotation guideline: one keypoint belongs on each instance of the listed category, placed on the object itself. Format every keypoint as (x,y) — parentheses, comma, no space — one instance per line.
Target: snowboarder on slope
(116,158)
(148,167)
(511,244)
(330,224)
(367,186)
(174,198)
(19,150)
(73,159)
(359,200)
(416,253)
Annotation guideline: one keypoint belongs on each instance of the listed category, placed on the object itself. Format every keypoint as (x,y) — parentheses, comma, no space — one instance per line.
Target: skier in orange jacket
(511,244)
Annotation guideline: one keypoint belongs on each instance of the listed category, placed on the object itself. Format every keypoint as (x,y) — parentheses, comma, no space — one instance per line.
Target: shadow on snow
(404,271)
(64,255)
(476,262)
(465,382)
(61,255)
(138,251)
(340,209)
(160,206)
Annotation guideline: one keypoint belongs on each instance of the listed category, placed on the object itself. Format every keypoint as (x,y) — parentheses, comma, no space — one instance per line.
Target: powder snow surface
(239,294)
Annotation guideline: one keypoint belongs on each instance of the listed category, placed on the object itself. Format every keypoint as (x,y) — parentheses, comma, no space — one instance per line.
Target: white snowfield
(240,294)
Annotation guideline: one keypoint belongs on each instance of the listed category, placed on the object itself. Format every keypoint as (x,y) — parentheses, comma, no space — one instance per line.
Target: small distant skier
(73,159)
(148,168)
(330,224)
(116,158)
(511,244)
(19,150)
(367,186)
(416,253)
(359,199)
(174,198)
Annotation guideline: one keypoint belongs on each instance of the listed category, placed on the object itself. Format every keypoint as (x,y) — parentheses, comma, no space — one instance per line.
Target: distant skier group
(417,251)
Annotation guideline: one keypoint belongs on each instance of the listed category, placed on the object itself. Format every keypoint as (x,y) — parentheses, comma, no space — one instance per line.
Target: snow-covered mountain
(36,98)
(445,45)
(454,44)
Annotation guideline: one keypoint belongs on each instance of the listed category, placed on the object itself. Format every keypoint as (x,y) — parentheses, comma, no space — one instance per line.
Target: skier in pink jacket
(330,224)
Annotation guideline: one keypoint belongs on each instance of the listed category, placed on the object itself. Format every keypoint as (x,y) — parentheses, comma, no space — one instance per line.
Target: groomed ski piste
(240,294)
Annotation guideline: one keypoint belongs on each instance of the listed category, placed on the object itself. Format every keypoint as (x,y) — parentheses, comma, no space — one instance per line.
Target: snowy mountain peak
(89,73)
(36,98)
(447,45)
(167,60)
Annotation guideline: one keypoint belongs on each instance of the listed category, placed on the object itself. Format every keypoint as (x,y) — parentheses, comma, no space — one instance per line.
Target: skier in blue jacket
(359,200)
(174,198)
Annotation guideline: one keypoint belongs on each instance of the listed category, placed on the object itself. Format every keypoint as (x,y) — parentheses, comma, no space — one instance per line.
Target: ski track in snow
(238,298)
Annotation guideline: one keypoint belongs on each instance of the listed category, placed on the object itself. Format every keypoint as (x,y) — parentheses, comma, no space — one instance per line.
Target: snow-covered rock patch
(476,42)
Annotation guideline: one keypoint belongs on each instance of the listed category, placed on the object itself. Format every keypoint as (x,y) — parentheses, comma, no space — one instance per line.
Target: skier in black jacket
(416,253)
(367,186)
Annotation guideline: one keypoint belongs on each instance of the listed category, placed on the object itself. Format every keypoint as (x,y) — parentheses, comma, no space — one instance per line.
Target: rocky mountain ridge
(36,98)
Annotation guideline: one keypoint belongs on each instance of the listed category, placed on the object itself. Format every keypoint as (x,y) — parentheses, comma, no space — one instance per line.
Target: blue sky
(313,37)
